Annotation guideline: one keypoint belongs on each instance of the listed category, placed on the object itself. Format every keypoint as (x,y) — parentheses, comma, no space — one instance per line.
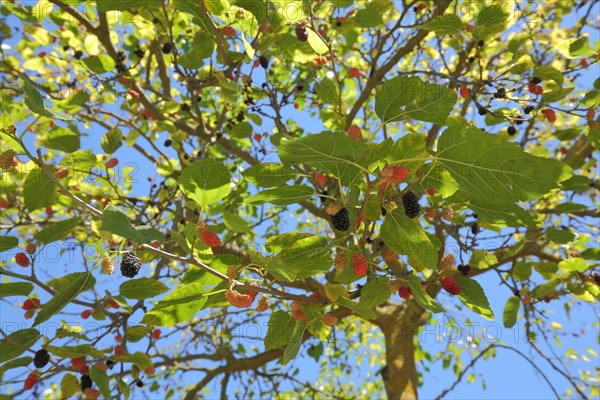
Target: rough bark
(399,324)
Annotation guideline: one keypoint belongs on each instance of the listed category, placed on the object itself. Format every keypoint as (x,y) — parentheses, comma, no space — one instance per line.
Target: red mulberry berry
(299,315)
(31,380)
(85,314)
(210,238)
(111,163)
(22,260)
(355,73)
(464,92)
(404,292)
(118,350)
(359,262)
(296,305)
(156,334)
(329,320)
(550,115)
(237,299)
(450,285)
(394,174)
(448,261)
(355,133)
(31,304)
(448,214)
(320,178)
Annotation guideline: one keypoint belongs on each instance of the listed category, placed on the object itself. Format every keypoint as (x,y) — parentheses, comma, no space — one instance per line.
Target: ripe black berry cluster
(464,269)
(411,204)
(264,62)
(500,93)
(166,48)
(511,130)
(301,33)
(41,358)
(528,109)
(341,220)
(130,265)
(86,382)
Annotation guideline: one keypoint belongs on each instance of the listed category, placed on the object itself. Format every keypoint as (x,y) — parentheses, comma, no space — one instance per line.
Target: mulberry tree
(276,198)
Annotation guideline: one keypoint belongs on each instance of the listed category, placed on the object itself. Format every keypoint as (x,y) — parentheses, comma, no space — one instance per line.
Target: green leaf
(142,288)
(101,380)
(16,363)
(422,298)
(303,258)
(444,24)
(136,333)
(505,214)
(141,360)
(374,292)
(62,139)
(282,196)
(276,243)
(357,308)
(124,388)
(15,289)
(8,242)
(112,140)
(574,264)
(315,351)
(327,91)
(269,174)
(16,343)
(235,223)
(205,181)
(316,42)
(409,97)
(179,306)
(61,284)
(406,236)
(58,231)
(328,152)
(69,385)
(316,326)
(579,47)
(100,63)
(368,18)
(494,170)
(35,102)
(511,309)
(38,190)
(114,221)
(64,297)
(547,72)
(123,5)
(559,235)
(473,296)
(76,351)
(482,259)
(492,15)
(293,346)
(522,271)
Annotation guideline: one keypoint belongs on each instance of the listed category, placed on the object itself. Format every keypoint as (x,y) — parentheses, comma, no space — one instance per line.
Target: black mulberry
(139,383)
(528,109)
(130,265)
(482,111)
(411,204)
(500,93)
(166,48)
(78,54)
(264,62)
(301,33)
(511,130)
(474,228)
(535,80)
(41,358)
(86,382)
(464,269)
(341,220)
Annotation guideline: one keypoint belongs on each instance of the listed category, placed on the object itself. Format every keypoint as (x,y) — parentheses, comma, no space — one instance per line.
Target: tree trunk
(399,324)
